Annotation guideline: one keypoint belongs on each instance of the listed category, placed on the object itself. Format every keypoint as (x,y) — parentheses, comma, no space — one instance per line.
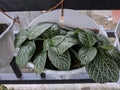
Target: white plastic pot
(74,19)
(117,36)
(6,42)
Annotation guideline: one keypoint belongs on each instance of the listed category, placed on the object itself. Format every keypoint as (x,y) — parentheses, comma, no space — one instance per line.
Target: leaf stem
(39,39)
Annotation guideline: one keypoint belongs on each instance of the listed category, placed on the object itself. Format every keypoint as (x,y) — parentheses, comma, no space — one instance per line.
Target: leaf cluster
(50,45)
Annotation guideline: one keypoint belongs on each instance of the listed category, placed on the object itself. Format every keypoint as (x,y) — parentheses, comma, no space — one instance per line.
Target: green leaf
(71,34)
(103,40)
(56,40)
(37,30)
(47,44)
(21,37)
(39,62)
(95,74)
(51,32)
(66,44)
(105,47)
(25,53)
(66,28)
(86,55)
(86,39)
(103,69)
(89,31)
(76,54)
(115,54)
(63,32)
(62,62)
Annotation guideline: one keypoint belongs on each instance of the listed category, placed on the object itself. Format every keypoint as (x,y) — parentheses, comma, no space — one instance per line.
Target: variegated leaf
(25,53)
(62,62)
(57,40)
(103,40)
(103,69)
(86,55)
(66,44)
(37,30)
(21,37)
(51,32)
(39,62)
(47,44)
(115,54)
(86,39)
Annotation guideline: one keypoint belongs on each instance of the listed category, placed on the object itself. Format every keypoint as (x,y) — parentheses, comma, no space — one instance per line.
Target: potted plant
(6,40)
(66,51)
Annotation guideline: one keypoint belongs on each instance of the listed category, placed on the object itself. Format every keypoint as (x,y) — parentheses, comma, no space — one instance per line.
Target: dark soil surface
(3,28)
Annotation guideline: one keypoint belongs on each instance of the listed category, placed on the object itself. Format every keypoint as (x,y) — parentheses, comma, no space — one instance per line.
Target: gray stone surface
(107,86)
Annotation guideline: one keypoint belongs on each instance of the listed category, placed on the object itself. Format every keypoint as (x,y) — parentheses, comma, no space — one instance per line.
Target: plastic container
(6,42)
(74,19)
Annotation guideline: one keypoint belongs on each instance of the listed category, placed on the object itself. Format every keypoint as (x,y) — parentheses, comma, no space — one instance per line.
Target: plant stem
(39,39)
(9,16)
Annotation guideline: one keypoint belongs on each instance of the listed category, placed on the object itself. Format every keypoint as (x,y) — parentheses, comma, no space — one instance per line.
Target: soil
(3,27)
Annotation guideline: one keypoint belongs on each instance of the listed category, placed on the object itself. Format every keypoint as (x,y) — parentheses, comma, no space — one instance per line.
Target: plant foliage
(57,47)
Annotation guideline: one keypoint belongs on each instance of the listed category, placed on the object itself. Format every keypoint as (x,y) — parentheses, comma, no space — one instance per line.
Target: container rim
(8,28)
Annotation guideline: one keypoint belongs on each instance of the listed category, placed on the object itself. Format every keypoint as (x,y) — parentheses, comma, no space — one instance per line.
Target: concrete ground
(107,86)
